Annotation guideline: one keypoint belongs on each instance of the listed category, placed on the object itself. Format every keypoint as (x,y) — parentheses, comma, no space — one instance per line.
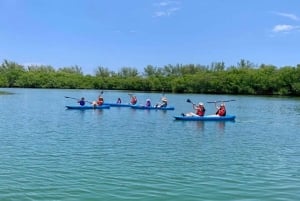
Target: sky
(136,33)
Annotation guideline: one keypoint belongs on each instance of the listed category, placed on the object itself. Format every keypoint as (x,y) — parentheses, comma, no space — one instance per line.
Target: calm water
(49,153)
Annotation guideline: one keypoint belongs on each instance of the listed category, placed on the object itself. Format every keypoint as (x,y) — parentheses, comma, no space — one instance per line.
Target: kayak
(118,104)
(206,118)
(87,107)
(143,107)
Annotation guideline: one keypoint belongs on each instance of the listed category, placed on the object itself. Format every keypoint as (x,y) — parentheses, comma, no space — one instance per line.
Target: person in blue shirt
(81,101)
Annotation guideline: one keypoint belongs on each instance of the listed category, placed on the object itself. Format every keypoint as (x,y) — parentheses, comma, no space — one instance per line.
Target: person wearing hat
(221,110)
(200,110)
(99,102)
(148,103)
(164,102)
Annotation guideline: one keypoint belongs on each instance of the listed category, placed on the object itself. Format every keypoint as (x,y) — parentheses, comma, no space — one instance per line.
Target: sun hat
(164,99)
(200,103)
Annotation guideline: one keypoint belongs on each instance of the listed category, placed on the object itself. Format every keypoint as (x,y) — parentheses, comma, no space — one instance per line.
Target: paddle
(220,101)
(76,99)
(101,93)
(189,101)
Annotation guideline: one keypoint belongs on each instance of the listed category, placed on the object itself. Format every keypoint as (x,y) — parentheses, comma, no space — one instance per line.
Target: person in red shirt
(199,110)
(99,102)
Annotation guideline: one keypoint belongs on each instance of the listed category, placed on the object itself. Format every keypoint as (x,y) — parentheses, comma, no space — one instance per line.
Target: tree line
(216,78)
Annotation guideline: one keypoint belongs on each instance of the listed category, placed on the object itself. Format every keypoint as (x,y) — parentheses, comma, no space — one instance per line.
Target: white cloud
(160,14)
(285,28)
(166,8)
(132,31)
(289,15)
(166,3)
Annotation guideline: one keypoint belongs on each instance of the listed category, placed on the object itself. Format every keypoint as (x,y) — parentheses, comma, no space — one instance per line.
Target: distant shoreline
(5,93)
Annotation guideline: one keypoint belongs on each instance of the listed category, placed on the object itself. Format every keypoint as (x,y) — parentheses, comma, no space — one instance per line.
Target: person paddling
(81,101)
(221,110)
(133,100)
(199,109)
(119,101)
(148,103)
(164,102)
(99,102)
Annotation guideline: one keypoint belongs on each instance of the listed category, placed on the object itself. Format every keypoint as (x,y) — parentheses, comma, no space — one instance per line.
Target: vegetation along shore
(244,78)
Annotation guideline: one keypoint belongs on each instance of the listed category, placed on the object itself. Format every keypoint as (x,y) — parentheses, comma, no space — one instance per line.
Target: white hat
(222,104)
(200,103)
(164,99)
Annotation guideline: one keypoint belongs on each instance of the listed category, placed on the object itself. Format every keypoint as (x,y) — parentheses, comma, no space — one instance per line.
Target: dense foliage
(245,78)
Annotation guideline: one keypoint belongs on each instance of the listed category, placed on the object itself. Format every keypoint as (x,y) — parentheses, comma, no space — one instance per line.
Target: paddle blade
(188,100)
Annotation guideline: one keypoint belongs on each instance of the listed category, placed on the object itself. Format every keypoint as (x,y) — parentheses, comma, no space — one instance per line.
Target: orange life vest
(200,111)
(133,100)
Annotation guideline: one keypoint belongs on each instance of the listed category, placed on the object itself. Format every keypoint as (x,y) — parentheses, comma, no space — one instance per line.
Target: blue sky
(136,33)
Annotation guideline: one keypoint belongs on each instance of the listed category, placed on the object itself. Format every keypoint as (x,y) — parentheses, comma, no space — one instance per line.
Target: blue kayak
(143,107)
(118,104)
(87,107)
(206,118)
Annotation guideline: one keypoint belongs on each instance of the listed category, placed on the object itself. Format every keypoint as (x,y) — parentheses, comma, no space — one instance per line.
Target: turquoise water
(49,153)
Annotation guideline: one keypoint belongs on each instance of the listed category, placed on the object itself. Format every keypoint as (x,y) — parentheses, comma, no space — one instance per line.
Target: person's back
(119,101)
(133,100)
(81,102)
(148,103)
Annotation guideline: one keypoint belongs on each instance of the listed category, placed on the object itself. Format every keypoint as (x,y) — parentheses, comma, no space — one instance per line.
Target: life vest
(200,111)
(133,100)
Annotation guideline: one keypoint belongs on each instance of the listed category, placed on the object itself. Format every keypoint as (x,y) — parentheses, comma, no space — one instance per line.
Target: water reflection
(98,112)
(221,125)
(216,125)
(200,125)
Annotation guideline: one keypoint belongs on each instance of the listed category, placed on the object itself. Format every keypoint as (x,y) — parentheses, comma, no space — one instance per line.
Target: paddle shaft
(76,99)
(220,101)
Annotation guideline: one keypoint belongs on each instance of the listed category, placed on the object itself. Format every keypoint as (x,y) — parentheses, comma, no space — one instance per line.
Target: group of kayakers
(133,101)
(200,110)
(162,103)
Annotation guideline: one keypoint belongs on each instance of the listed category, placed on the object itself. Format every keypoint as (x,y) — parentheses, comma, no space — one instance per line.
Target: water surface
(49,153)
